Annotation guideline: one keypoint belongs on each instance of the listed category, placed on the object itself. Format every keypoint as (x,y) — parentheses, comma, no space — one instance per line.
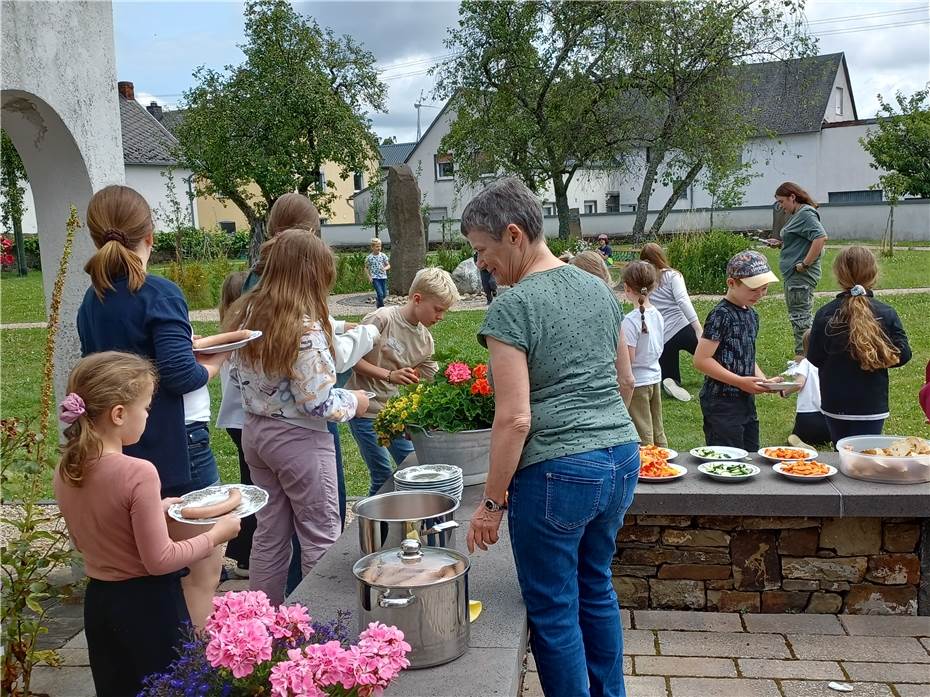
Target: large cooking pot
(385,520)
(423,591)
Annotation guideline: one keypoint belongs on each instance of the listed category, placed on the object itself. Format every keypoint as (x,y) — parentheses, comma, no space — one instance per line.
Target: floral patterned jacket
(310,399)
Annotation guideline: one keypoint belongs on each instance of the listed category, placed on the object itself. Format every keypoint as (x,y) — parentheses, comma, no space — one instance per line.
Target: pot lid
(411,566)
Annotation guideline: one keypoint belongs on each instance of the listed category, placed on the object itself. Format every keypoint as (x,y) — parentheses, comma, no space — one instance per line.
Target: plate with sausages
(227,341)
(204,506)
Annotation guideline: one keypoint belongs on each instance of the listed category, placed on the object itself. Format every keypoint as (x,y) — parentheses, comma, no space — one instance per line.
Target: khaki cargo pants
(800,302)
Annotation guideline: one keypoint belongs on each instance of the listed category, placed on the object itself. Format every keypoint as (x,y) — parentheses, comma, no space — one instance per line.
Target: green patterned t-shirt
(567,322)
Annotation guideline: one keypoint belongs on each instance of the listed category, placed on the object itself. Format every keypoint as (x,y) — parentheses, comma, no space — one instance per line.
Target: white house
(808,106)
(147,158)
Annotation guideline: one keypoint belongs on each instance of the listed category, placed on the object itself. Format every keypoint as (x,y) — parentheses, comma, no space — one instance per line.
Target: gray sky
(159,44)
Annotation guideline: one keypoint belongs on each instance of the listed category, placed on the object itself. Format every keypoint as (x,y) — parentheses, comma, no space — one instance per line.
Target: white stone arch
(59,106)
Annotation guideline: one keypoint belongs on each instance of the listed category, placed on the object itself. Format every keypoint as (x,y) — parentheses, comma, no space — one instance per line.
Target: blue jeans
(376,456)
(380,285)
(564,515)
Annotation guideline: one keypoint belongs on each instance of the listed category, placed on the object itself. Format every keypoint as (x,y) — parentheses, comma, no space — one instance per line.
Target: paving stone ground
(678,654)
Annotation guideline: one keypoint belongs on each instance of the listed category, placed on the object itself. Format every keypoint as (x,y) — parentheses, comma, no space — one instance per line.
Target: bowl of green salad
(729,471)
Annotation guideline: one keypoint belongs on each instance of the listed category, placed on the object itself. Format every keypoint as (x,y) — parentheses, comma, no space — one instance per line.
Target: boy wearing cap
(604,249)
(726,354)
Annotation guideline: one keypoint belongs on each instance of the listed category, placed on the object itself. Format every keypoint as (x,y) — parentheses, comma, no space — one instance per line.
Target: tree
(299,100)
(375,216)
(12,176)
(390,140)
(688,60)
(726,183)
(175,216)
(901,147)
(535,89)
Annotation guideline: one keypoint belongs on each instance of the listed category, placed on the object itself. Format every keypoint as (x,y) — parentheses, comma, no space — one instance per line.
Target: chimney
(154,110)
(125,89)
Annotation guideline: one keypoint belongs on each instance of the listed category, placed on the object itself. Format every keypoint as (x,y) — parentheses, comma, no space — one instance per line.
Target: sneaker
(240,571)
(673,389)
(798,443)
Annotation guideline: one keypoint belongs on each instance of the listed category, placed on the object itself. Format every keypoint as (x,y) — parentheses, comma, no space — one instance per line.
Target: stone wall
(862,566)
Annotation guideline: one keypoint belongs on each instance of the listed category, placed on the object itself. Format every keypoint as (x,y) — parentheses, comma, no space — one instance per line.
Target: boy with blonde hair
(377,266)
(403,356)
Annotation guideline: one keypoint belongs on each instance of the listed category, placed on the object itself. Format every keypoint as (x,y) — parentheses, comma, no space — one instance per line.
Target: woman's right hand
(212,362)
(225,528)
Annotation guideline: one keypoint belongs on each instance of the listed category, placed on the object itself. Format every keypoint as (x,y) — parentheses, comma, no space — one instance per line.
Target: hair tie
(71,408)
(857,290)
(644,291)
(113,235)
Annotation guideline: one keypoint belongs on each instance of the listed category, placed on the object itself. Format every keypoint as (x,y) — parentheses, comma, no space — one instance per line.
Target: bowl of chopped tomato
(780,453)
(804,470)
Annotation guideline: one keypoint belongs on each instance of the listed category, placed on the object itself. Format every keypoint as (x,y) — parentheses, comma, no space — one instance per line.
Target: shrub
(31,245)
(350,273)
(200,245)
(194,281)
(449,255)
(702,258)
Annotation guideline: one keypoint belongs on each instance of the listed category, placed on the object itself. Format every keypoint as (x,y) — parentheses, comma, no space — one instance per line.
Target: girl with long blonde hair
(854,340)
(128,309)
(134,609)
(288,389)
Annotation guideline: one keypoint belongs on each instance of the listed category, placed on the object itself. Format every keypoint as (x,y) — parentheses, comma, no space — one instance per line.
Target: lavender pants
(297,467)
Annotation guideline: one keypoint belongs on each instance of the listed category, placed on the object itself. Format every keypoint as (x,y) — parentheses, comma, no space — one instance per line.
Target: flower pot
(469,450)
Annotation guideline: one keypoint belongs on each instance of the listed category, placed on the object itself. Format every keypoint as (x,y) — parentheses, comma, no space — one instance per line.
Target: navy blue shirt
(735,328)
(152,322)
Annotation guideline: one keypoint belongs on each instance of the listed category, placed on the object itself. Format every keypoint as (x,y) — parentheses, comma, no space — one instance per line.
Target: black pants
(488,284)
(685,339)
(811,427)
(841,428)
(731,421)
(134,629)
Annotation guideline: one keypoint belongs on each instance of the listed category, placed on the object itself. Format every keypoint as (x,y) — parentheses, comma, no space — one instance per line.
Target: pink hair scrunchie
(71,408)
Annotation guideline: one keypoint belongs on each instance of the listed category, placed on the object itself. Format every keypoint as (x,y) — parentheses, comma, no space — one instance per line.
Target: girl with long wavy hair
(288,394)
(134,609)
(853,342)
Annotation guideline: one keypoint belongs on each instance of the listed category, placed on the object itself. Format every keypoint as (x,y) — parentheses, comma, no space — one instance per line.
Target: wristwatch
(493,506)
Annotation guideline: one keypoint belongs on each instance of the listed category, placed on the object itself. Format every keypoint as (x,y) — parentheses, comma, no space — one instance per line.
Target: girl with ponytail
(134,609)
(853,342)
(128,309)
(643,335)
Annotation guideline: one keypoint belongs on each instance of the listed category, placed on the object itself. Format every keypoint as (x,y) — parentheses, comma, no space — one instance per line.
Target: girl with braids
(128,309)
(854,340)
(134,609)
(643,332)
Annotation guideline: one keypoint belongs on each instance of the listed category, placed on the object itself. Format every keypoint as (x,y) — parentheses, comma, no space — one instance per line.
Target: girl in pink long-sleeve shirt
(134,610)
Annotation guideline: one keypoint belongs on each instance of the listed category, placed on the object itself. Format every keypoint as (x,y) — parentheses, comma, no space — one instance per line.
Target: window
(321,182)
(684,194)
(839,100)
(358,181)
(855,196)
(628,208)
(444,169)
(613,202)
(438,214)
(548,208)
(323,221)
(485,166)
(590,207)
(228,226)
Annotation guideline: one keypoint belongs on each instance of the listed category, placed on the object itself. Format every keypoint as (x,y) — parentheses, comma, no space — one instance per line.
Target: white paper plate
(254,498)
(682,471)
(721,453)
(802,477)
(811,453)
(779,386)
(753,471)
(223,348)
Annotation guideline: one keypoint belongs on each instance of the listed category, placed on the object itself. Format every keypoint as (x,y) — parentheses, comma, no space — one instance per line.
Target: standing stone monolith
(408,246)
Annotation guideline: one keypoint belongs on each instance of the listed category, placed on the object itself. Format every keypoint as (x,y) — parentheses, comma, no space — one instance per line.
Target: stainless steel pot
(385,520)
(423,591)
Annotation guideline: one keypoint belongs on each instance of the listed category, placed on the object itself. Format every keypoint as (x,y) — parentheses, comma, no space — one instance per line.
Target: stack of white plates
(446,479)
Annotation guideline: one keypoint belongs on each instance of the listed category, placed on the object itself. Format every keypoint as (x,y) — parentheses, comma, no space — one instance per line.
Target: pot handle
(385,601)
(442,527)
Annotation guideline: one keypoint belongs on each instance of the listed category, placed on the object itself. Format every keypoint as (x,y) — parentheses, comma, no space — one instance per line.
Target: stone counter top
(770,494)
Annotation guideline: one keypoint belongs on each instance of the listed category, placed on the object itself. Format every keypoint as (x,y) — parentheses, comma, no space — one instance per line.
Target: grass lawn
(455,336)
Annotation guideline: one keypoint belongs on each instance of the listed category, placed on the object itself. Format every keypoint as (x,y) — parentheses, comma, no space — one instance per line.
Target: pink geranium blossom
(239,646)
(291,622)
(457,373)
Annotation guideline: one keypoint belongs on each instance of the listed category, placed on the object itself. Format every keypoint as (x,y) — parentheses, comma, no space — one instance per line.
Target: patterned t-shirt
(375,264)
(567,322)
(735,328)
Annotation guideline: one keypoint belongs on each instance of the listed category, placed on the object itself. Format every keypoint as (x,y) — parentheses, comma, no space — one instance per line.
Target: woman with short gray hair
(564,452)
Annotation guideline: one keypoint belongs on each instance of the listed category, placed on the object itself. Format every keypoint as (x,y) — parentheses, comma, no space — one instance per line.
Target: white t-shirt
(671,299)
(197,405)
(809,395)
(646,369)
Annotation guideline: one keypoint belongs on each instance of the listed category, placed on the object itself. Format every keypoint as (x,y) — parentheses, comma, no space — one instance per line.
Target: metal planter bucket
(386,520)
(469,450)
(422,592)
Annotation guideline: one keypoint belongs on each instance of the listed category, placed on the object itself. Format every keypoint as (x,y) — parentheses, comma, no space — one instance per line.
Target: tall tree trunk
(676,193)
(21,268)
(561,205)
(645,193)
